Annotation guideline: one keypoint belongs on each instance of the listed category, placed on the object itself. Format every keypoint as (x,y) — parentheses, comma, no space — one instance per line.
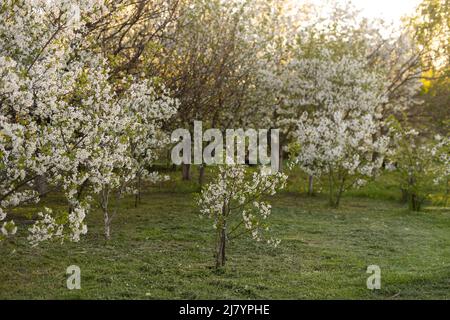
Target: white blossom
(235,192)
(62,117)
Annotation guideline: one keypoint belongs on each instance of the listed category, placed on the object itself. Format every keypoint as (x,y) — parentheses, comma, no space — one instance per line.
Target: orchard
(223,149)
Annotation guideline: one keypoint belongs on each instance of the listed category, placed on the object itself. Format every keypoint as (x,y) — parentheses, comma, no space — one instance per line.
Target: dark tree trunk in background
(415,200)
(201,175)
(310,185)
(186,171)
(40,185)
(404,198)
(281,158)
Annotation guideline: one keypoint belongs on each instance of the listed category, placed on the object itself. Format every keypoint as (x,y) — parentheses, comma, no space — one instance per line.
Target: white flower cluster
(236,195)
(45,228)
(343,131)
(61,116)
(8,227)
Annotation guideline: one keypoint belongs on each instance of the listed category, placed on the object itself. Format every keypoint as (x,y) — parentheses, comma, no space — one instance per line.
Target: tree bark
(104,204)
(107,221)
(280,159)
(415,202)
(201,175)
(405,196)
(40,185)
(221,245)
(310,185)
(186,171)
(222,238)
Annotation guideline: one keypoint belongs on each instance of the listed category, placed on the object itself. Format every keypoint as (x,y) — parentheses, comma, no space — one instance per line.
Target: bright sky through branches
(388,10)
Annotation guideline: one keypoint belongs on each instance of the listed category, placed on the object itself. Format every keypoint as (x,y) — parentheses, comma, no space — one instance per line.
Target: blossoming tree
(341,135)
(419,163)
(37,80)
(129,153)
(235,201)
(62,116)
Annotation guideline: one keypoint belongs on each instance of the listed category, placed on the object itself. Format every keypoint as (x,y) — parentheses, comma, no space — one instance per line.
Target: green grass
(163,249)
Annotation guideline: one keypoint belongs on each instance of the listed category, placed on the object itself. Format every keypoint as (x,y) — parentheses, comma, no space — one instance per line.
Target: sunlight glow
(389,10)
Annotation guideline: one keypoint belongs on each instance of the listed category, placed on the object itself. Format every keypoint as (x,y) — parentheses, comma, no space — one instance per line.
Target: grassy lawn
(163,249)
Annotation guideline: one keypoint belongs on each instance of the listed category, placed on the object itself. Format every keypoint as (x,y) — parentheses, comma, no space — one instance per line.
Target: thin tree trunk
(310,185)
(186,171)
(106,218)
(281,158)
(415,202)
(107,221)
(222,238)
(405,196)
(201,175)
(221,245)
